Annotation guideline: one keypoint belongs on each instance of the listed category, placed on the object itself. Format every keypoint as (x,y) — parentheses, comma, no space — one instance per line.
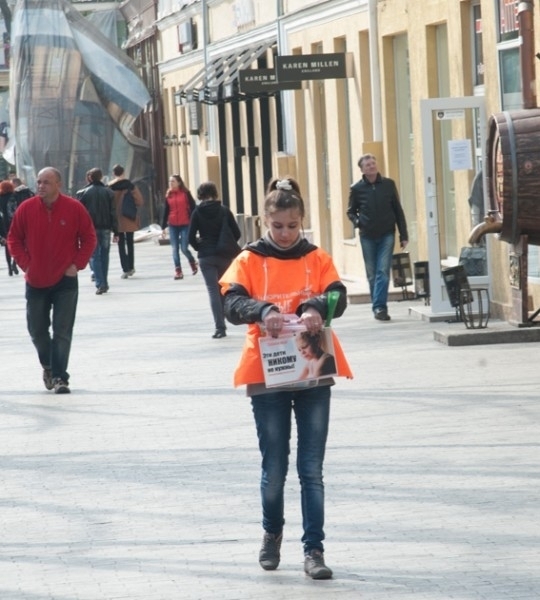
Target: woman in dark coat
(8,205)
(205,227)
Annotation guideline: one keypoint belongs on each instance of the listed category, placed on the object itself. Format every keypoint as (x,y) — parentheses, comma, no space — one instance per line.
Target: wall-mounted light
(167,140)
(174,139)
(183,140)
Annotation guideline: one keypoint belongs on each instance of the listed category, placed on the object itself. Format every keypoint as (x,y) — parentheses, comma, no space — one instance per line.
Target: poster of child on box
(297,355)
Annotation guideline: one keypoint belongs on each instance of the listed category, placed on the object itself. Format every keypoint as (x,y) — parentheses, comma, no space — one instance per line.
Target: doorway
(453,139)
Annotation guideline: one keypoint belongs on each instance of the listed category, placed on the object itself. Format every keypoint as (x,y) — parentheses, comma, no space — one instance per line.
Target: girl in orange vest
(283,274)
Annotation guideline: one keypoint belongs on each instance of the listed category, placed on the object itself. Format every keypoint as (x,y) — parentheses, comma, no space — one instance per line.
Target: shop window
(508,51)
(478,50)
(187,36)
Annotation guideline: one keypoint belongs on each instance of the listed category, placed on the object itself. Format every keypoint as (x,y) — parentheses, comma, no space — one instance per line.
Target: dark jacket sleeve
(165,218)
(193,229)
(114,217)
(192,203)
(353,208)
(240,308)
(320,302)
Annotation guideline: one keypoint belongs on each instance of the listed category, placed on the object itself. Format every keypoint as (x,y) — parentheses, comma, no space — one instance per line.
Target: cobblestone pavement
(143,483)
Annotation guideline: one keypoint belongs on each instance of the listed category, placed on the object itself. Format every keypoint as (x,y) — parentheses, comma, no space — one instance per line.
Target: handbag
(227,245)
(129,208)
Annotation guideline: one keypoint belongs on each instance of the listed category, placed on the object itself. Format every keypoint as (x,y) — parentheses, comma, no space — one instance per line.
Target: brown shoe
(178,274)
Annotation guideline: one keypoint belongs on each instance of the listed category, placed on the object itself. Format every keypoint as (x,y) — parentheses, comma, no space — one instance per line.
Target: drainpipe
(289,142)
(211,127)
(375,71)
(526,31)
(205,34)
(279,14)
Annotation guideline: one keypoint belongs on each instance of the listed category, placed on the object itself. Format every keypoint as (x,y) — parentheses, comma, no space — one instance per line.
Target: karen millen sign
(257,81)
(301,67)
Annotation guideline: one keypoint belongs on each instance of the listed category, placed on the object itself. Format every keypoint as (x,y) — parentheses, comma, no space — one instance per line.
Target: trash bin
(457,288)
(421,280)
(402,272)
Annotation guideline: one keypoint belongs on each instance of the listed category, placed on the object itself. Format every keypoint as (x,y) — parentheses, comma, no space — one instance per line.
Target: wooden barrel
(513,172)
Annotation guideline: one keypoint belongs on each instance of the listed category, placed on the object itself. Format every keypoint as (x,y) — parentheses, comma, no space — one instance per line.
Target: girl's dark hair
(283,194)
(181,183)
(206,190)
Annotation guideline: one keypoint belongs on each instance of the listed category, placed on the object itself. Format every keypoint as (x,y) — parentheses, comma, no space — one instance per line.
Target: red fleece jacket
(46,241)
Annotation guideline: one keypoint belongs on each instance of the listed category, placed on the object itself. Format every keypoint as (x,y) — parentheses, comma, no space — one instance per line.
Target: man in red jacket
(51,238)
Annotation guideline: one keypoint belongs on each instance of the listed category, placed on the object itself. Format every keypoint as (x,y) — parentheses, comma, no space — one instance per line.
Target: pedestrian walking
(211,222)
(8,206)
(99,202)
(179,205)
(278,275)
(128,223)
(375,208)
(51,238)
(22,191)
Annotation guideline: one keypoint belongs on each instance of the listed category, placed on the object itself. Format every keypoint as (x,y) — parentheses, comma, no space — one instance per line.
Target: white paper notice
(460,153)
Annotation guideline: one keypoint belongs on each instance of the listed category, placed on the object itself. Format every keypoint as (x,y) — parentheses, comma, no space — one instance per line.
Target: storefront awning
(217,81)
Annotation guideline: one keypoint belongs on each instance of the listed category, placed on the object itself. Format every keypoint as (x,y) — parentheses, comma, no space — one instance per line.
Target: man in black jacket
(374,208)
(99,202)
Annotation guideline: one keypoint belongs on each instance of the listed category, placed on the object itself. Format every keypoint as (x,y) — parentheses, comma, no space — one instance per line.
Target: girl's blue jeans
(272,412)
(178,234)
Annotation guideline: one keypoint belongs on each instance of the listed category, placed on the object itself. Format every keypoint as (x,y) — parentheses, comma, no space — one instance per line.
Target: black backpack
(129,208)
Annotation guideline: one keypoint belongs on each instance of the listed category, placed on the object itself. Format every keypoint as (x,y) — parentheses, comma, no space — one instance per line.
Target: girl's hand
(273,323)
(312,319)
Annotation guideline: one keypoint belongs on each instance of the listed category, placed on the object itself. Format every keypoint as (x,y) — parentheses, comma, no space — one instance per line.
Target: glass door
(453,136)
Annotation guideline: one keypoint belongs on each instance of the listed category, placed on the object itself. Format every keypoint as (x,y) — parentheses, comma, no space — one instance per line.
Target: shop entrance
(453,142)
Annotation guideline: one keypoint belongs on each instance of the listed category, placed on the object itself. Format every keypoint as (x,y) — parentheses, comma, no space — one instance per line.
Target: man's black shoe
(269,555)
(61,386)
(315,567)
(382,315)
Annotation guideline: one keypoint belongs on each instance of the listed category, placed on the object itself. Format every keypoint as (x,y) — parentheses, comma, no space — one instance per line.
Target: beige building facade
(421,82)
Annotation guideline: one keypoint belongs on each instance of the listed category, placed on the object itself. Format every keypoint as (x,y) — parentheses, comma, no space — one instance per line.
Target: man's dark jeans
(378,262)
(61,299)
(100,259)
